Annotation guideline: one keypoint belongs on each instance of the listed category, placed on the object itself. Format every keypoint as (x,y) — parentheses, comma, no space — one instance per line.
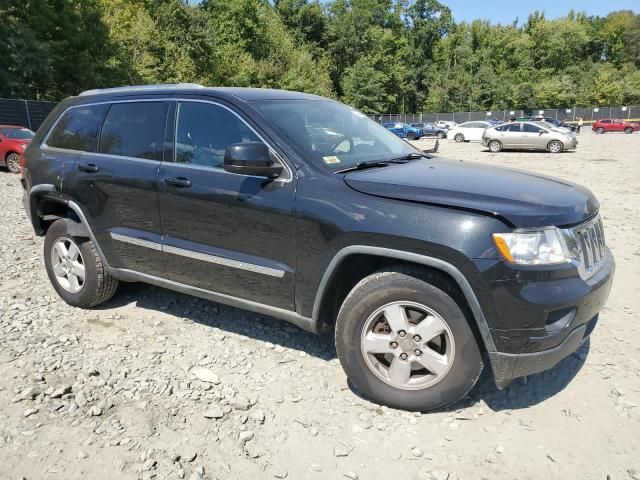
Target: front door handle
(179,182)
(90,168)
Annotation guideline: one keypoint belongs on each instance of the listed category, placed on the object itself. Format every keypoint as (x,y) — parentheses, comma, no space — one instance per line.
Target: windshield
(17,133)
(332,134)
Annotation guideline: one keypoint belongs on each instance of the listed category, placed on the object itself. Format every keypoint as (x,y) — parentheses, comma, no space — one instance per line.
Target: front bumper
(543,317)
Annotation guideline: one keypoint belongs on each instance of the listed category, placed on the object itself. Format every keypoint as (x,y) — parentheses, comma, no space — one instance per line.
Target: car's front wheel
(441,135)
(628,130)
(13,162)
(555,146)
(411,136)
(600,130)
(75,269)
(459,138)
(404,341)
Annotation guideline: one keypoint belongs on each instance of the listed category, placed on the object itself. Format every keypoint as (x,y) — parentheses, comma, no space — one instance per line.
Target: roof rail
(138,88)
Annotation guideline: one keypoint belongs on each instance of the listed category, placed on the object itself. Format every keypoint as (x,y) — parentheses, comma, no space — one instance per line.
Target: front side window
(527,127)
(79,129)
(204,131)
(17,133)
(134,130)
(331,134)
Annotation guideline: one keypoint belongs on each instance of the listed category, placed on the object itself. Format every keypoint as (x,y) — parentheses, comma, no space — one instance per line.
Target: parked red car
(615,125)
(13,141)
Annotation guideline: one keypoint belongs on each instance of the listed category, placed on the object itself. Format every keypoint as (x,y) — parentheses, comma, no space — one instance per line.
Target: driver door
(223,232)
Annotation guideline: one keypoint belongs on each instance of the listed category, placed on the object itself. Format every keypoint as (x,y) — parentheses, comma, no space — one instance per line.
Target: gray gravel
(158,385)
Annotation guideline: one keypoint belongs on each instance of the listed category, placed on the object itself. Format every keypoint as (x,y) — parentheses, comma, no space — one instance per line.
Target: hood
(524,200)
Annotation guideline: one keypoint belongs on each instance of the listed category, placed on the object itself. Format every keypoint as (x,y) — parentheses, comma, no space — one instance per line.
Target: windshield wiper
(382,163)
(410,156)
(365,165)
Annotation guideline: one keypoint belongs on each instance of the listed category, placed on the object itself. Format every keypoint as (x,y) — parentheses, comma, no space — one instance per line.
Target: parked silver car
(527,136)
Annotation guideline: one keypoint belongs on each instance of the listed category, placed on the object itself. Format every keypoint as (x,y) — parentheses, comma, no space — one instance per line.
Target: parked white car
(468,131)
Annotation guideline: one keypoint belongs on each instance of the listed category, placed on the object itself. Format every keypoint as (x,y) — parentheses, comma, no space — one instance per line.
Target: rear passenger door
(223,232)
(117,185)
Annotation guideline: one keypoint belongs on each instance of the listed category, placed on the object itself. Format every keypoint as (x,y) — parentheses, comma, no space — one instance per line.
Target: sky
(506,11)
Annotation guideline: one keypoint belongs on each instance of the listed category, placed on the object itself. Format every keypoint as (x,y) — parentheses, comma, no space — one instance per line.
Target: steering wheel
(339,141)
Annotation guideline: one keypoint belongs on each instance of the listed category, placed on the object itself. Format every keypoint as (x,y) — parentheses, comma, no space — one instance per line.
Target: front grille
(590,246)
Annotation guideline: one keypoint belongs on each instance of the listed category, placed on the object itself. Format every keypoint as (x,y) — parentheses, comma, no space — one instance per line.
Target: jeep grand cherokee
(302,208)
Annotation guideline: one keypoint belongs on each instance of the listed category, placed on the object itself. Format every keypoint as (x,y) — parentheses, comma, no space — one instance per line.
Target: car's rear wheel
(495,146)
(411,136)
(13,162)
(628,130)
(405,342)
(555,146)
(441,135)
(600,130)
(75,268)
(459,138)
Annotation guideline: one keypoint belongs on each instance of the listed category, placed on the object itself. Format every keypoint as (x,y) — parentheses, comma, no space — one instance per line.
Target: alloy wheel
(555,147)
(13,163)
(407,345)
(68,264)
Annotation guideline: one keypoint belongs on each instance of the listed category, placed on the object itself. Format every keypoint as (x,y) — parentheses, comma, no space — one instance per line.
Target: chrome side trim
(290,316)
(205,257)
(457,275)
(136,241)
(226,262)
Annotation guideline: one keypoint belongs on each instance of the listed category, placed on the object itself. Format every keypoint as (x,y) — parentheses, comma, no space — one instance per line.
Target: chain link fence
(24,113)
(31,114)
(567,114)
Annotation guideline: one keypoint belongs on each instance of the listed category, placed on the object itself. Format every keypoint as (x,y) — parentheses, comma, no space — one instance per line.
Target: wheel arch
(43,209)
(358,261)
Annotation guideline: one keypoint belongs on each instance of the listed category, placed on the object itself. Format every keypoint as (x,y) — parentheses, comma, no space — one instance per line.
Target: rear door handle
(179,182)
(90,168)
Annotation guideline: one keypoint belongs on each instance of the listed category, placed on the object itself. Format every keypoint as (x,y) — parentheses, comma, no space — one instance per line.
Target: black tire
(459,138)
(628,130)
(408,285)
(555,146)
(13,162)
(600,130)
(495,146)
(411,136)
(99,286)
(441,135)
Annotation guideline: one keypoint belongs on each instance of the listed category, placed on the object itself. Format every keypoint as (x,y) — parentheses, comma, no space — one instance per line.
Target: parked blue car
(404,131)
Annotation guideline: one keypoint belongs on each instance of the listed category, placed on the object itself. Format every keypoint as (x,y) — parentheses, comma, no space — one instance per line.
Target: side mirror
(542,132)
(250,158)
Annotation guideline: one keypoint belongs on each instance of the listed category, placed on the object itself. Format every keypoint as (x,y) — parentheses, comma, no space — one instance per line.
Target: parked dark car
(13,141)
(615,125)
(404,130)
(556,122)
(424,268)
(430,130)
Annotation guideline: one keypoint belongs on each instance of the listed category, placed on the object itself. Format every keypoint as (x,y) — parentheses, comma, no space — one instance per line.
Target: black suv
(302,208)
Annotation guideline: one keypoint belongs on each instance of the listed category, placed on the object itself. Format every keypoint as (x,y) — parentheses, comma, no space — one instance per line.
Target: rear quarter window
(78,128)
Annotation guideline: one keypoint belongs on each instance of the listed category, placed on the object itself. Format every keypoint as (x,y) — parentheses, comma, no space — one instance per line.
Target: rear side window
(134,130)
(514,127)
(79,129)
(204,131)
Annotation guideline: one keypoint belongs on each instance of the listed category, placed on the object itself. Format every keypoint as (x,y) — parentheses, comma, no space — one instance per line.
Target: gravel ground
(156,384)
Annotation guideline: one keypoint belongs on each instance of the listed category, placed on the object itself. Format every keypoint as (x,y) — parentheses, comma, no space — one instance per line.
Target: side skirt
(295,318)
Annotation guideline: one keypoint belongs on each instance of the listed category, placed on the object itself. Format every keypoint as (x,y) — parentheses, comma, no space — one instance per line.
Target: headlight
(541,247)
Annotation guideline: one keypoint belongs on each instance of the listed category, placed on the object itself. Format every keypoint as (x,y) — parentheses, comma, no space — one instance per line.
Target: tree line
(378,55)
